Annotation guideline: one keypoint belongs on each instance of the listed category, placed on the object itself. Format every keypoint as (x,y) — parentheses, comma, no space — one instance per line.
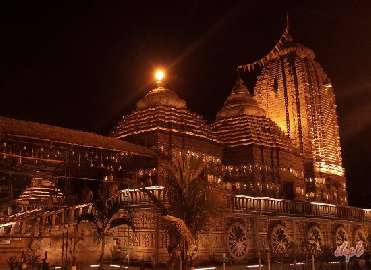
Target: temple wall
(149,241)
(271,165)
(259,230)
(167,141)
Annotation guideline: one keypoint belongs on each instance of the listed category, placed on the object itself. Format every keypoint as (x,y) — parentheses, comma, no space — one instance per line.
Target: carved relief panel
(314,239)
(341,235)
(237,241)
(361,235)
(280,241)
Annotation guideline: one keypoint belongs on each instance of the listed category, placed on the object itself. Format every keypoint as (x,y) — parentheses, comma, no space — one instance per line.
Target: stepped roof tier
(242,122)
(162,109)
(240,102)
(41,192)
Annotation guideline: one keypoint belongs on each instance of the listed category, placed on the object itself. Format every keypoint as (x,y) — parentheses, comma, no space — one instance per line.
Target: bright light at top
(159,75)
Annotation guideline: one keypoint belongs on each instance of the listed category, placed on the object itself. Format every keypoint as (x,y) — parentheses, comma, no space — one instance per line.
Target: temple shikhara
(262,185)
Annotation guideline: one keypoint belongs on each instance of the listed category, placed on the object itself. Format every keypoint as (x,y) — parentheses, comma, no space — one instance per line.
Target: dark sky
(81,64)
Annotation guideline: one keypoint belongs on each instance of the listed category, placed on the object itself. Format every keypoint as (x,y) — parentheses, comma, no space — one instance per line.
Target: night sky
(82,64)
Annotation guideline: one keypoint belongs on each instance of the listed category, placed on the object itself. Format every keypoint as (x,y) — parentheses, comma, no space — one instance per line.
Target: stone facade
(298,96)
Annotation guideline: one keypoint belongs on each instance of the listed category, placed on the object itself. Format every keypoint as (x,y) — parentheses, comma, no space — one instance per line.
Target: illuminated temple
(272,157)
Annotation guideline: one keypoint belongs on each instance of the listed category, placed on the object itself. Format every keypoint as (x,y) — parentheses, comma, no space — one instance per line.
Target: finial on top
(159,76)
(239,85)
(238,76)
(286,32)
(160,95)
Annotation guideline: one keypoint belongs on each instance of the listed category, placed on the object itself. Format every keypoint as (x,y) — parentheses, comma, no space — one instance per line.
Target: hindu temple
(271,162)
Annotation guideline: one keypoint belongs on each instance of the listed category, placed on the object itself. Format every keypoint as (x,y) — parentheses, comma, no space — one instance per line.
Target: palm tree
(105,215)
(189,198)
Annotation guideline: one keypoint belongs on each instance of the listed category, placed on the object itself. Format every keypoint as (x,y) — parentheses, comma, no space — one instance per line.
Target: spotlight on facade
(159,75)
(94,265)
(298,263)
(115,265)
(206,268)
(154,187)
(253,266)
(7,224)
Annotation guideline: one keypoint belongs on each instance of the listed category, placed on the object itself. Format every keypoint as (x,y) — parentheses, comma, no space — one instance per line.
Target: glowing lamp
(159,75)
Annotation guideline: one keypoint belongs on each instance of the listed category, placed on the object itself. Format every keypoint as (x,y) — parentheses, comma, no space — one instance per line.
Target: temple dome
(161,96)
(242,122)
(162,109)
(240,102)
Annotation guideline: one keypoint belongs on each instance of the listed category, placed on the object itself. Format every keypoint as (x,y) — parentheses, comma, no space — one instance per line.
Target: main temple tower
(298,96)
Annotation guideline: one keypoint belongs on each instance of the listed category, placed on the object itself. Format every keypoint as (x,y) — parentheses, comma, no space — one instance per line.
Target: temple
(270,163)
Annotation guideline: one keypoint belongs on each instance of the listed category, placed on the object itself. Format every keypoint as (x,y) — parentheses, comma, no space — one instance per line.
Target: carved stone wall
(241,237)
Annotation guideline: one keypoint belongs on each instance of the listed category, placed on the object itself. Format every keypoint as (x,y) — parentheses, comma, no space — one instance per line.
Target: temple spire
(284,41)
(239,86)
(286,32)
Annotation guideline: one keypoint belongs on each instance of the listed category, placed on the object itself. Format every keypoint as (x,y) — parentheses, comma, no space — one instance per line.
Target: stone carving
(142,239)
(237,241)
(341,235)
(147,239)
(134,239)
(144,220)
(211,241)
(163,240)
(361,235)
(279,240)
(314,239)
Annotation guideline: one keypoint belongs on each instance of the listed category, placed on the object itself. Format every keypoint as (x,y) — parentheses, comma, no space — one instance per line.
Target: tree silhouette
(105,214)
(191,201)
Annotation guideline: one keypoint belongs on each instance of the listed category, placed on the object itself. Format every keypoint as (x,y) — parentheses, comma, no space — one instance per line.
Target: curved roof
(162,109)
(161,96)
(240,102)
(250,129)
(242,122)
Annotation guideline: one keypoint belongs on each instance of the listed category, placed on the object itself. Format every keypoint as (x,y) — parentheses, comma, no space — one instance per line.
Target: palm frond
(180,226)
(87,217)
(121,221)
